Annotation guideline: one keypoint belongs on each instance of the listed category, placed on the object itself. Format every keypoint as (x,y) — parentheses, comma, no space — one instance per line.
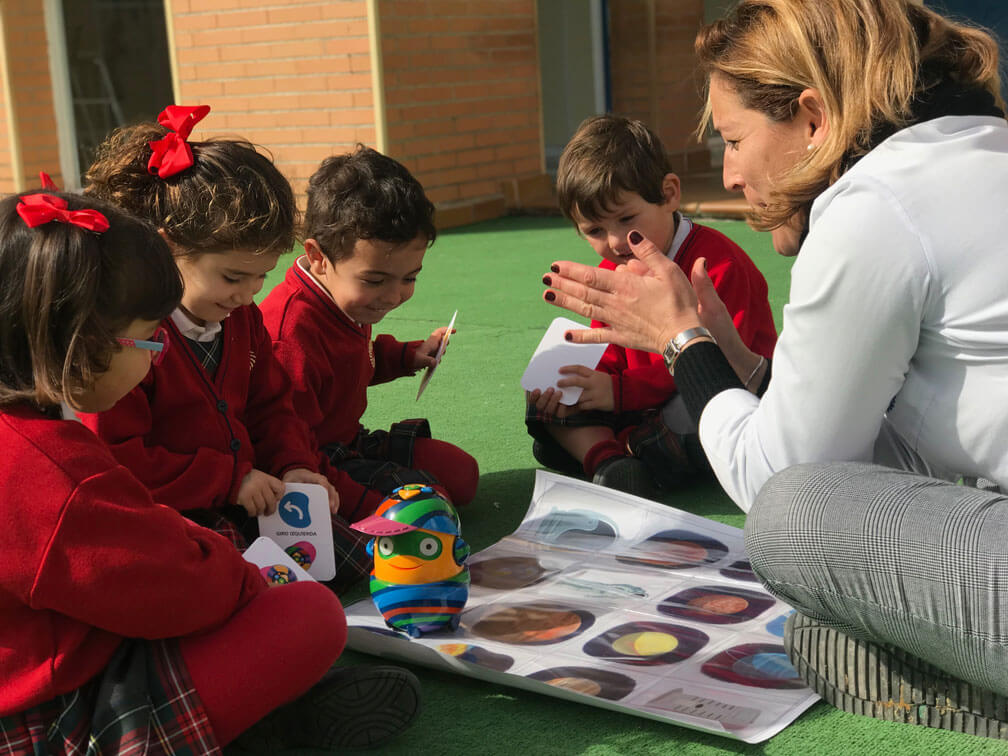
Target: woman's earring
(810,147)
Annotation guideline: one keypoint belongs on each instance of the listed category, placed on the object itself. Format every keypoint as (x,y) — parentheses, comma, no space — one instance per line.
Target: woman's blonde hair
(866,58)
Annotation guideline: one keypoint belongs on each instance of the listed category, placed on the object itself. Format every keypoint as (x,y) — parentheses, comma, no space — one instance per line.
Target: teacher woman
(869,137)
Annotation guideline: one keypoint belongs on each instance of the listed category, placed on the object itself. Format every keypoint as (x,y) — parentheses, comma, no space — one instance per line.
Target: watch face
(669,354)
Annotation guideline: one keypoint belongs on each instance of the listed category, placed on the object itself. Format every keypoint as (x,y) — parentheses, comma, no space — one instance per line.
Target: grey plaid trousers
(892,557)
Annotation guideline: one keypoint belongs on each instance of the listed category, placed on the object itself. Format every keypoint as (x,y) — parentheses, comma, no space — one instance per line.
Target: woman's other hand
(715,317)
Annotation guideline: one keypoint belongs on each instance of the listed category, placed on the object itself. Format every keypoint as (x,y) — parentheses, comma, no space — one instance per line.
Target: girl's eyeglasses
(158,344)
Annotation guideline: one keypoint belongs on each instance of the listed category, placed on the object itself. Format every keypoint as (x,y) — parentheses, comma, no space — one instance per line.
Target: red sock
(268,653)
(603,450)
(457,470)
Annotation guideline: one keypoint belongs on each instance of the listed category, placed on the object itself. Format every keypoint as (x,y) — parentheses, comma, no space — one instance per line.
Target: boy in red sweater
(368,225)
(629,430)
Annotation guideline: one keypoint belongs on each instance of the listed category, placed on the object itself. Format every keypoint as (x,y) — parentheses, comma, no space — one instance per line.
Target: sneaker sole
(363,707)
(351,708)
(889,684)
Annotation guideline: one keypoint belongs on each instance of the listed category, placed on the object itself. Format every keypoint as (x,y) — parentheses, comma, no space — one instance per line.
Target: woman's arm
(638,300)
(850,329)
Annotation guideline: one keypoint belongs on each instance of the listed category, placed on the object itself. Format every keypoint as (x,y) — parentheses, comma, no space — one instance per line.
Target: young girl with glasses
(123,623)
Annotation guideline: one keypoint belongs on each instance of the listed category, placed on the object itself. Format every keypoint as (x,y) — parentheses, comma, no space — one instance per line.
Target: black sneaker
(627,474)
(886,683)
(350,708)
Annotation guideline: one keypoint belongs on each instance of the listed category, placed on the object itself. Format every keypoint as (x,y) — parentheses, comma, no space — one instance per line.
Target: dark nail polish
(547,281)
(635,237)
(555,268)
(549,296)
(568,336)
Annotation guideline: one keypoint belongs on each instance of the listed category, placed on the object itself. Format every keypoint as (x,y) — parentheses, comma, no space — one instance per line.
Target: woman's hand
(645,304)
(715,316)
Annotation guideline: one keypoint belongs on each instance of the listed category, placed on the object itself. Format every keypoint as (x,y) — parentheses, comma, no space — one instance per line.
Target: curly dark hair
(233,196)
(65,293)
(365,195)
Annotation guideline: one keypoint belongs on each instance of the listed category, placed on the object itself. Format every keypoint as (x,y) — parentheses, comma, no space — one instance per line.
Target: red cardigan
(331,361)
(89,559)
(191,438)
(640,379)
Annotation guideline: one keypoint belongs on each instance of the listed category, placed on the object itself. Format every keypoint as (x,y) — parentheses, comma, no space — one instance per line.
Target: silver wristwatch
(676,344)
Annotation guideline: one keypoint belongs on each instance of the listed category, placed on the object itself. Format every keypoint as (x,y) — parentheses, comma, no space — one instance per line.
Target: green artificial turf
(491,273)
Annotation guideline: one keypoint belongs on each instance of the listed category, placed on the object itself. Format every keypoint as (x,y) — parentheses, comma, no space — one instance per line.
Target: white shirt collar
(193,331)
(685,226)
(68,412)
(302,263)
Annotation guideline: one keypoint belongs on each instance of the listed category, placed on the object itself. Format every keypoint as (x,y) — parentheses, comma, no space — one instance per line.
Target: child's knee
(315,615)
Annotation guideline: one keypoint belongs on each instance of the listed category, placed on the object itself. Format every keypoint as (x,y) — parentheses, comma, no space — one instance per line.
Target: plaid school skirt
(143,703)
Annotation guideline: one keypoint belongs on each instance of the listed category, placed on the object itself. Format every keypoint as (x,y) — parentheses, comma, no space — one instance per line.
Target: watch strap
(678,342)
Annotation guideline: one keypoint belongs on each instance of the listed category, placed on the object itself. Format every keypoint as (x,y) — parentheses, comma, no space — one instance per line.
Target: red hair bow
(47,183)
(171,153)
(38,209)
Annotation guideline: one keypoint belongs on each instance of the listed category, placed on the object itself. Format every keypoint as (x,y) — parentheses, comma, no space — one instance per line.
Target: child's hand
(597,387)
(427,351)
(301,475)
(259,493)
(547,402)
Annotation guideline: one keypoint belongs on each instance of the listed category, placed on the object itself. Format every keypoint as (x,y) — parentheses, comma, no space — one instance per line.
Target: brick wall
(653,71)
(294,76)
(28,69)
(460,85)
(462,95)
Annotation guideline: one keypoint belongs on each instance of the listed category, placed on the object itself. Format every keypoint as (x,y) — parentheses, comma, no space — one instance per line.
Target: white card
(437,357)
(274,563)
(553,353)
(302,517)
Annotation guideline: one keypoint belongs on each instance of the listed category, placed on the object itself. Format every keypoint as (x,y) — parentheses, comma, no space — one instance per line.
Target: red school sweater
(640,379)
(191,438)
(90,559)
(331,361)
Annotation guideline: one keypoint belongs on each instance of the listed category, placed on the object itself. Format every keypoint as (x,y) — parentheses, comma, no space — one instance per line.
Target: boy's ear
(317,260)
(671,190)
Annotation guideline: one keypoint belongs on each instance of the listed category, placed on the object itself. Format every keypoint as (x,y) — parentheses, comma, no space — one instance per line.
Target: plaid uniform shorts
(142,703)
(382,461)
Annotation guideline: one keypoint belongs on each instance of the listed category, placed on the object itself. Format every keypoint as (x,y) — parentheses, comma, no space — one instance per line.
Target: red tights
(270,652)
(457,470)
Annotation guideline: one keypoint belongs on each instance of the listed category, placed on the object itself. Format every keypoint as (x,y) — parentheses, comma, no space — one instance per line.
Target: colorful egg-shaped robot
(419,582)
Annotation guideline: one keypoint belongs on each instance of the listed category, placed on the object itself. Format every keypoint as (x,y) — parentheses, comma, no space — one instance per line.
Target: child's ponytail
(230,197)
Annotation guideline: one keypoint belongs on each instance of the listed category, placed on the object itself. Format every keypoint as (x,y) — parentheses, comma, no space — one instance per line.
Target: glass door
(119,66)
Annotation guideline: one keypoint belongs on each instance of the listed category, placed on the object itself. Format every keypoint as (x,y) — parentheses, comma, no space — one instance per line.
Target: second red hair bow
(171,154)
(38,209)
